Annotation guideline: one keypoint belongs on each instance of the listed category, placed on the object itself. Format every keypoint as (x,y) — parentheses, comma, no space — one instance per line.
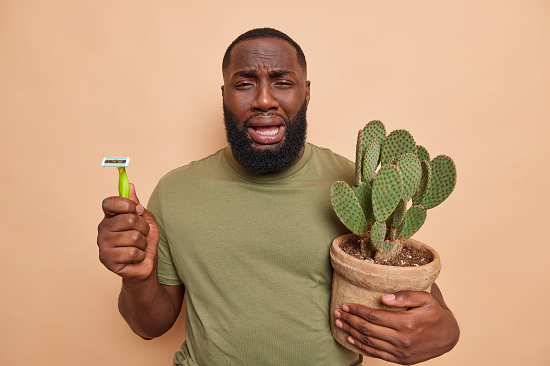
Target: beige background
(80,80)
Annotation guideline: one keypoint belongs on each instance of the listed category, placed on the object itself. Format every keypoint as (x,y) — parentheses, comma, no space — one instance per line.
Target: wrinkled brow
(245,73)
(280,72)
(252,72)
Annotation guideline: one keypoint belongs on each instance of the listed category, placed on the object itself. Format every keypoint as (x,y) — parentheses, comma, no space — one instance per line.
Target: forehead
(263,53)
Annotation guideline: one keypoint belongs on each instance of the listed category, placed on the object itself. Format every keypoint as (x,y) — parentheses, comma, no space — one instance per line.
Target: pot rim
(368,267)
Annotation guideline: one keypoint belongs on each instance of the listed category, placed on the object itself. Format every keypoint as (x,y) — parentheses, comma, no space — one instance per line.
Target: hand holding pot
(427,330)
(128,238)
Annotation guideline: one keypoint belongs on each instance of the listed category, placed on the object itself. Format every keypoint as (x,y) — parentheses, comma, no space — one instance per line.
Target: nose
(265,101)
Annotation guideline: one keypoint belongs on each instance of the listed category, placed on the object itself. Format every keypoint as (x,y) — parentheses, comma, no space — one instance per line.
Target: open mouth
(266,130)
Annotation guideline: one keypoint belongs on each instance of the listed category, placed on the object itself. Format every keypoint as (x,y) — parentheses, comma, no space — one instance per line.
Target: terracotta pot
(361,282)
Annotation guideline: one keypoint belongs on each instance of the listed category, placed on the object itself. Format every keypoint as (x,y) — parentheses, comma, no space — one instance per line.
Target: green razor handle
(123,185)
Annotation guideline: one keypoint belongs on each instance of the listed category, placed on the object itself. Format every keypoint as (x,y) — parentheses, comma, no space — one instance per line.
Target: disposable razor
(121,164)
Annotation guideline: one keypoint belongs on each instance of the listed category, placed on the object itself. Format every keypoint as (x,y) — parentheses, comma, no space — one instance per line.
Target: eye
(244,84)
(284,83)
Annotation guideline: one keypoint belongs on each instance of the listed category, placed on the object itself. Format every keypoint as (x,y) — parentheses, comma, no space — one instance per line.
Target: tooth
(268,133)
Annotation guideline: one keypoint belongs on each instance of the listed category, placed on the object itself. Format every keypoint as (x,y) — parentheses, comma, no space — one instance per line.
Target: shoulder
(325,153)
(187,180)
(323,156)
(331,164)
(193,171)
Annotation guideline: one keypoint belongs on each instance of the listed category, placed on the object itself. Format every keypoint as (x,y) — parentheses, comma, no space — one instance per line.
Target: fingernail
(389,297)
(345,308)
(350,340)
(339,324)
(337,314)
(140,209)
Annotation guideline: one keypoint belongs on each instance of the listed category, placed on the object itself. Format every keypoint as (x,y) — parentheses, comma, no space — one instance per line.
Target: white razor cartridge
(116,161)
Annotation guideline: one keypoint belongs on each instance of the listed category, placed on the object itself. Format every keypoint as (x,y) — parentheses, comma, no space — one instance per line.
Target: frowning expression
(264,88)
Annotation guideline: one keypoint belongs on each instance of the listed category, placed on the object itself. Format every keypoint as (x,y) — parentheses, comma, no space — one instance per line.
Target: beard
(270,159)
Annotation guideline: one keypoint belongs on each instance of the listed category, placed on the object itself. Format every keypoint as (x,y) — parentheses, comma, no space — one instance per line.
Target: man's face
(265,97)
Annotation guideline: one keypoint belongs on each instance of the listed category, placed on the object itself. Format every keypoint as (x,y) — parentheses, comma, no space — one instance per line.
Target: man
(246,233)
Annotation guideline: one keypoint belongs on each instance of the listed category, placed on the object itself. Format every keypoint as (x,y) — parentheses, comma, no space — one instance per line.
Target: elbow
(144,337)
(148,335)
(456,338)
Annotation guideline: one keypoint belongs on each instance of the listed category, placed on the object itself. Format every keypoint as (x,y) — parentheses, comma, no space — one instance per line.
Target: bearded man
(245,233)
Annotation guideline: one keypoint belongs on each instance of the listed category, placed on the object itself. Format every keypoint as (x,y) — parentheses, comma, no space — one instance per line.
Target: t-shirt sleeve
(166,270)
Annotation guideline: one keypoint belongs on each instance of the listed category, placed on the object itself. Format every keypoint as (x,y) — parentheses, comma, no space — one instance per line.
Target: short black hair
(264,33)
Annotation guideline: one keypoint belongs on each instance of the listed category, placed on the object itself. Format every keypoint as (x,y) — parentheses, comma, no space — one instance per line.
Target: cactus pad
(375,130)
(359,150)
(422,153)
(411,171)
(371,156)
(378,234)
(443,181)
(386,191)
(414,219)
(347,208)
(397,143)
(424,182)
(399,213)
(363,192)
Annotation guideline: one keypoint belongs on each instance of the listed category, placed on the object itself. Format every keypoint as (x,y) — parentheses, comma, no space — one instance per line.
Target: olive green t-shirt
(253,254)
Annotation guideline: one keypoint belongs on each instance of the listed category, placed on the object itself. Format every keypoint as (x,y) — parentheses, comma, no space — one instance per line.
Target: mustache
(265,114)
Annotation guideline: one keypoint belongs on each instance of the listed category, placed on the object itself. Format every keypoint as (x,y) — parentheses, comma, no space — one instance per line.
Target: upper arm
(176,295)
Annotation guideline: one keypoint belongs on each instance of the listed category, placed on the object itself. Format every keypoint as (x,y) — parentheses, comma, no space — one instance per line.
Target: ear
(308,88)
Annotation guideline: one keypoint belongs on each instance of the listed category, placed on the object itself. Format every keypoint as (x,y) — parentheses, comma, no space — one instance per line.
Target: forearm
(147,307)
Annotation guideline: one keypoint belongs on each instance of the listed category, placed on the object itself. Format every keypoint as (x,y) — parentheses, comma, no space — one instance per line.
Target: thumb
(133,196)
(406,299)
(140,210)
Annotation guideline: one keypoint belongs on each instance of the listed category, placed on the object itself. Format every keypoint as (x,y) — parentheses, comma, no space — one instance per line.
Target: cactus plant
(395,184)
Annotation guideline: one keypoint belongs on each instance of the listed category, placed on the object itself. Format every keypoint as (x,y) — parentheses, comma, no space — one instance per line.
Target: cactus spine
(390,172)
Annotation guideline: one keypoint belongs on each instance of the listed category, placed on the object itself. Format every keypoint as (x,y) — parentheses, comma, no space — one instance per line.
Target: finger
(127,255)
(364,328)
(374,352)
(366,335)
(125,222)
(116,205)
(116,258)
(133,238)
(385,318)
(407,299)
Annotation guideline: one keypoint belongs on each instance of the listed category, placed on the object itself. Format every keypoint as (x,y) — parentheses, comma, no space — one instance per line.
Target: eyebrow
(279,72)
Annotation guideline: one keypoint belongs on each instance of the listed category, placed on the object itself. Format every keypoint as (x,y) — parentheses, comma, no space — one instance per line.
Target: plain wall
(81,80)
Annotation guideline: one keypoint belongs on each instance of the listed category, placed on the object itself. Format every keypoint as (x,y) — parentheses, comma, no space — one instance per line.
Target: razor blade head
(116,161)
